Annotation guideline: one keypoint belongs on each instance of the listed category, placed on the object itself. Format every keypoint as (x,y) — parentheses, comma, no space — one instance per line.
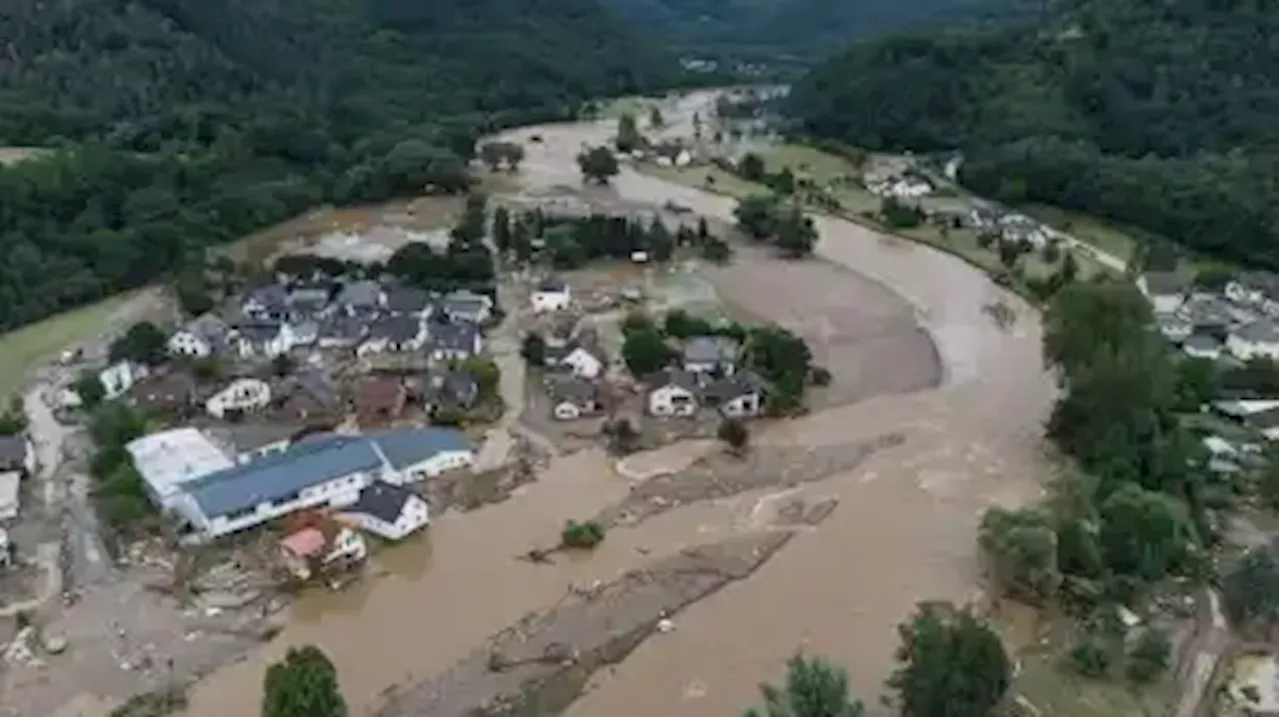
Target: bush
(819,376)
(734,433)
(1090,657)
(1150,656)
(586,535)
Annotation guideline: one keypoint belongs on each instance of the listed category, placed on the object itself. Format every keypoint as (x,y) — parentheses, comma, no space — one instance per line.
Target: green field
(21,349)
(1107,237)
(1054,690)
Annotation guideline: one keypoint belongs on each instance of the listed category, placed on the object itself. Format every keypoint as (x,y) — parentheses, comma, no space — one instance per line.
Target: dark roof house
(171,392)
(677,377)
(408,300)
(13,453)
(381,500)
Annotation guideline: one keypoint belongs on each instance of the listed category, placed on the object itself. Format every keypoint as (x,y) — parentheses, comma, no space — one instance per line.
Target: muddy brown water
(903,531)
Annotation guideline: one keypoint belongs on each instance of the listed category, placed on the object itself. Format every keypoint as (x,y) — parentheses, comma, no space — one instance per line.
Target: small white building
(583,362)
(1202,346)
(550,296)
(120,377)
(388,511)
(573,398)
(1166,290)
(414,454)
(263,339)
(203,336)
(738,396)
(1256,339)
(241,396)
(672,392)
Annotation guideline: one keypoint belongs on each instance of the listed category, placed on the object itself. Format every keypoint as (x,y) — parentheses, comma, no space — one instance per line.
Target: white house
(550,296)
(388,511)
(1174,327)
(738,396)
(583,362)
(120,377)
(1202,346)
(673,392)
(203,336)
(263,339)
(452,341)
(1166,290)
(1257,288)
(242,395)
(414,454)
(1260,338)
(573,398)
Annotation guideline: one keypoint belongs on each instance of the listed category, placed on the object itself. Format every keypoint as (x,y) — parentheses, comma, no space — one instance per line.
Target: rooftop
(1262,331)
(404,447)
(673,377)
(13,451)
(173,458)
(1165,283)
(382,500)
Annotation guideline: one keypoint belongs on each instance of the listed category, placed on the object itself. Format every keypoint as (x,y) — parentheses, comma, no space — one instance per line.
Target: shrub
(587,534)
(1150,656)
(1090,657)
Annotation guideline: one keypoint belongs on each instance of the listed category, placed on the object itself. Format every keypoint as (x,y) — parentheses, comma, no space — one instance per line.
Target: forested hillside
(769,29)
(188,122)
(1157,114)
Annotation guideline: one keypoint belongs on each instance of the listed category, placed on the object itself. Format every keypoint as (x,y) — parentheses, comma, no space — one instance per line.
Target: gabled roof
(1165,283)
(573,390)
(342,326)
(1202,342)
(465,303)
(278,476)
(314,384)
(13,452)
(678,377)
(1262,331)
(702,349)
(395,328)
(404,447)
(381,500)
(552,287)
(741,383)
(1266,282)
(453,336)
(258,331)
(363,294)
(459,388)
(379,393)
(246,437)
(209,327)
(271,296)
(408,299)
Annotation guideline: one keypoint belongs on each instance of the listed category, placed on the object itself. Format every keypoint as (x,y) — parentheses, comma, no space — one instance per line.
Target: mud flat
(540,665)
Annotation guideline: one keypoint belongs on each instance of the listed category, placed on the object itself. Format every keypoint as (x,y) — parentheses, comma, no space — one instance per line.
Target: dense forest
(183,123)
(1161,115)
(773,30)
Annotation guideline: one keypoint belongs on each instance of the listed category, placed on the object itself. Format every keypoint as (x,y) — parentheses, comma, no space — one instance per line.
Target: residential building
(740,395)
(120,377)
(573,398)
(314,548)
(169,460)
(408,301)
(1166,290)
(414,454)
(466,306)
(672,392)
(1202,346)
(388,511)
(309,396)
(17,454)
(360,298)
(709,354)
(1260,338)
(309,300)
(550,296)
(1174,327)
(10,494)
(266,302)
(394,334)
(1254,287)
(456,390)
(170,393)
(244,442)
(262,339)
(454,340)
(203,336)
(341,331)
(241,396)
(379,399)
(583,361)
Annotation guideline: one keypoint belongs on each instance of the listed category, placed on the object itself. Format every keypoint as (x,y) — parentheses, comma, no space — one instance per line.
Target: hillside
(1159,115)
(800,29)
(188,122)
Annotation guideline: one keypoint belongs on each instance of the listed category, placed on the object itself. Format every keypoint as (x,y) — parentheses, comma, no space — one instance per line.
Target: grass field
(1107,237)
(21,349)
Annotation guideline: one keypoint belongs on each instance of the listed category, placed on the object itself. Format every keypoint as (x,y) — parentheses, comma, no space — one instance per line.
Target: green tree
(587,534)
(1091,656)
(493,155)
(716,251)
(1197,383)
(1150,656)
(814,688)
(598,165)
(89,388)
(644,352)
(1023,548)
(796,233)
(143,343)
(1144,533)
(951,665)
(628,138)
(656,120)
(534,349)
(14,418)
(283,365)
(485,372)
(756,215)
(502,235)
(751,167)
(193,294)
(734,433)
(304,684)
(1084,318)
(1249,592)
(680,324)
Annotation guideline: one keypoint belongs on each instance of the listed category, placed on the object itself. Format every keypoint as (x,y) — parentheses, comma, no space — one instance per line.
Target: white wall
(434,466)
(242,394)
(337,492)
(1245,350)
(185,343)
(662,402)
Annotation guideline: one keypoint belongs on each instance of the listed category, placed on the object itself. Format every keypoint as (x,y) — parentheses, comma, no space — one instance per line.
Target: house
(262,339)
(1260,415)
(360,298)
(550,296)
(309,396)
(408,301)
(244,442)
(466,306)
(340,331)
(170,393)
(120,377)
(313,548)
(203,336)
(379,399)
(414,454)
(456,390)
(243,395)
(1254,287)
(168,460)
(1208,314)
(303,332)
(672,392)
(388,511)
(10,494)
(740,395)
(1260,338)
(265,302)
(395,334)
(1174,327)
(1166,290)
(709,354)
(453,340)
(1265,422)
(583,361)
(573,398)
(17,454)
(1202,346)
(309,300)
(1020,229)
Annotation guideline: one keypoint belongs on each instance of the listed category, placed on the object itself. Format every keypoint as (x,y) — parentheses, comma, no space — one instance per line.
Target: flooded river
(903,531)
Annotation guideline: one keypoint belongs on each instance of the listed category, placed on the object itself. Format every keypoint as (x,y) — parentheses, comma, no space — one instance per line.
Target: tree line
(220,120)
(1158,116)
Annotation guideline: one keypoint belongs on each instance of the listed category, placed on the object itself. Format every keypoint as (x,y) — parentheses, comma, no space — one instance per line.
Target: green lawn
(724,182)
(1105,236)
(23,348)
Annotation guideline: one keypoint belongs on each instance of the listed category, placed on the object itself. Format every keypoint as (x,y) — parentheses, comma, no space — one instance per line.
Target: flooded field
(903,530)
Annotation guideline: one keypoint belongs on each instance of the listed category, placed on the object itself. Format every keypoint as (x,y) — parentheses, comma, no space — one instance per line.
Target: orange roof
(305,543)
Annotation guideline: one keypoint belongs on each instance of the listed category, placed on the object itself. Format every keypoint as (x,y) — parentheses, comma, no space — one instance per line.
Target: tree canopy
(813,688)
(951,665)
(304,684)
(1157,115)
